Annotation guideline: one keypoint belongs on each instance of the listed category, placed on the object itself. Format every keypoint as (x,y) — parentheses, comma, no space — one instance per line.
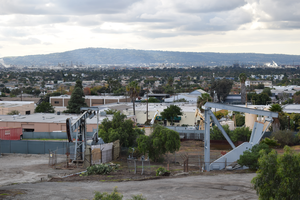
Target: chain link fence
(139,166)
(94,154)
(193,160)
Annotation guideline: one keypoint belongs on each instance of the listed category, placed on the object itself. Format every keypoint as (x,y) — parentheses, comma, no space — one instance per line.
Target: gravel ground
(222,186)
(21,168)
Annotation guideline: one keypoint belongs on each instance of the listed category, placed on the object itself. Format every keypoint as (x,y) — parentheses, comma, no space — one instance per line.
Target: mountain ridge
(106,56)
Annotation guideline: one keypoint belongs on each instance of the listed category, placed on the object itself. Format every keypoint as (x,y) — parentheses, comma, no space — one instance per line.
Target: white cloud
(146,24)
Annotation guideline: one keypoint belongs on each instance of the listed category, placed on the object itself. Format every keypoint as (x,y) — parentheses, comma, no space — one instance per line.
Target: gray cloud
(204,6)
(29,41)
(14,32)
(277,14)
(63,7)
(33,20)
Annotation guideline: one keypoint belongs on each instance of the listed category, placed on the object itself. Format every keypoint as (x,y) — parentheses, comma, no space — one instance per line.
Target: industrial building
(47,122)
(62,101)
(23,107)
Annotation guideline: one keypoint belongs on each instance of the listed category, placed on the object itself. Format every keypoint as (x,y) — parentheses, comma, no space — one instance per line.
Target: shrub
(278,175)
(161,171)
(216,134)
(241,134)
(250,157)
(239,119)
(101,169)
(13,112)
(284,137)
(271,142)
(115,195)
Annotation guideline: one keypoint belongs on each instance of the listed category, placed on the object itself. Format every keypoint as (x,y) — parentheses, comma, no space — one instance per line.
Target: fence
(32,147)
(138,166)
(192,160)
(102,153)
(50,135)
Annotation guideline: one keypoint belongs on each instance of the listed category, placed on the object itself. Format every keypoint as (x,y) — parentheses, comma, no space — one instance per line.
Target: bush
(241,134)
(115,195)
(13,112)
(278,175)
(271,142)
(101,169)
(216,134)
(161,171)
(250,157)
(239,119)
(284,137)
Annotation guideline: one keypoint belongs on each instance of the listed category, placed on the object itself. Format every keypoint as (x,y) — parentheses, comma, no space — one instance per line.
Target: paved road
(225,186)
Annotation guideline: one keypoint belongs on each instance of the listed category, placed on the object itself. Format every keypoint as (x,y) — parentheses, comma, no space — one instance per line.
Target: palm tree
(202,100)
(243,78)
(133,90)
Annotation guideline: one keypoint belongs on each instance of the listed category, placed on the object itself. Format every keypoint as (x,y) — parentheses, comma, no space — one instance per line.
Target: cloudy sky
(45,26)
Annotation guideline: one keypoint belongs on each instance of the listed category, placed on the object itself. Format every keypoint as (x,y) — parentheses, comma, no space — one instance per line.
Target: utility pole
(21,95)
(147,103)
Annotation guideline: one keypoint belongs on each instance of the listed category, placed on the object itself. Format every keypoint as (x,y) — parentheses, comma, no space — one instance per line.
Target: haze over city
(232,26)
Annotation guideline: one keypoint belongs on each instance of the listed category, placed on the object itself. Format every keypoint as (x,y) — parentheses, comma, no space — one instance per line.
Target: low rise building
(62,101)
(23,107)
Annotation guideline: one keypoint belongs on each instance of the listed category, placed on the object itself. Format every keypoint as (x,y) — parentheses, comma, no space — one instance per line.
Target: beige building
(62,101)
(47,122)
(257,82)
(23,107)
(188,110)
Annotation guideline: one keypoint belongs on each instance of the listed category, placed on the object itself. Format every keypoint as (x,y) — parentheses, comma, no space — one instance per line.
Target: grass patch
(4,194)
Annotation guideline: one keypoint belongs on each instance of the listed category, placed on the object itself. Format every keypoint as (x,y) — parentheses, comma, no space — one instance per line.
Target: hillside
(98,56)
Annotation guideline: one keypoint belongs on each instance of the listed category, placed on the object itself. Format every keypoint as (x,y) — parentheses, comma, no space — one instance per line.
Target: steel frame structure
(79,127)
(234,154)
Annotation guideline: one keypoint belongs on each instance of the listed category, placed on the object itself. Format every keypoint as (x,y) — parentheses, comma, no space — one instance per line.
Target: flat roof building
(62,101)
(23,107)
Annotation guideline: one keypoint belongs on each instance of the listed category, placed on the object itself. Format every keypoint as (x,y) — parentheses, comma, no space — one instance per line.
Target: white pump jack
(234,154)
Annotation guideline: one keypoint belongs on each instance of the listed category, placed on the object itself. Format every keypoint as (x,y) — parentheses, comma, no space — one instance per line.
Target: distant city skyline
(29,27)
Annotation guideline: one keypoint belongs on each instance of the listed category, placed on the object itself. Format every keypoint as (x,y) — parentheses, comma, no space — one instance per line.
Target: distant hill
(98,56)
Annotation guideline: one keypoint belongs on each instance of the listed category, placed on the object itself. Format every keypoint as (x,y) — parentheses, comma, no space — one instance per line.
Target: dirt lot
(21,168)
(30,177)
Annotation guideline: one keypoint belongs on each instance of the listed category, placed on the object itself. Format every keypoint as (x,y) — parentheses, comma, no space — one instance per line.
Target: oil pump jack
(232,156)
(79,127)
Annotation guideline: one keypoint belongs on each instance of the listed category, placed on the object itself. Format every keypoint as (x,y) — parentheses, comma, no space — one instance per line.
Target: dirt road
(223,186)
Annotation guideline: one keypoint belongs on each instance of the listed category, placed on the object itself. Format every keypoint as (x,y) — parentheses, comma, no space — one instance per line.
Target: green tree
(267,91)
(243,78)
(133,89)
(260,99)
(119,128)
(77,99)
(278,175)
(44,107)
(276,108)
(202,100)
(162,140)
(250,157)
(239,119)
(216,134)
(171,112)
(222,88)
(241,134)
